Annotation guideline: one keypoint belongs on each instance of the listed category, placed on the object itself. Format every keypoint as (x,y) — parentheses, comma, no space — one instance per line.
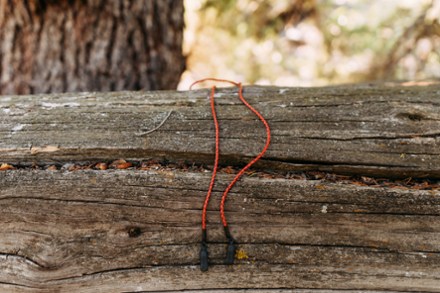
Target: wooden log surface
(70,231)
(385,131)
(137,230)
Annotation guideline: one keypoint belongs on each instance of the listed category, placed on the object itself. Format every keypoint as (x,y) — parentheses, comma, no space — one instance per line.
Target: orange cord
(239,174)
(217,155)
(217,149)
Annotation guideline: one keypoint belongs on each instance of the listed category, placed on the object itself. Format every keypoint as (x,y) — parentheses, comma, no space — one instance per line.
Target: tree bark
(90,45)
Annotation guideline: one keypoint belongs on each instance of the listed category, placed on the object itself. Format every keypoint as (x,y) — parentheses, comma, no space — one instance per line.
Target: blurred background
(51,46)
(311,42)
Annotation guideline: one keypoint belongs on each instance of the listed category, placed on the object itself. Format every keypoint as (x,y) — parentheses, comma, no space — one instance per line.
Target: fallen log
(138,228)
(386,131)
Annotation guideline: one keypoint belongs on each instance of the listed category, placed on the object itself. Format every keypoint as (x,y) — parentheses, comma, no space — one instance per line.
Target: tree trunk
(90,45)
(67,225)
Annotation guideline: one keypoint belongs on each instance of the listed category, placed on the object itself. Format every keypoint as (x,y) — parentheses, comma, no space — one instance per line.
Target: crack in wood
(22,257)
(134,230)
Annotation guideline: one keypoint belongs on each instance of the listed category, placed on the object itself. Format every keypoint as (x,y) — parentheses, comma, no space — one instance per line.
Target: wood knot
(134,232)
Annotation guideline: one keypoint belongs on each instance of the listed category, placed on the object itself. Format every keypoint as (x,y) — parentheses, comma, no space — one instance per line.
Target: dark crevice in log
(17,285)
(22,257)
(433,135)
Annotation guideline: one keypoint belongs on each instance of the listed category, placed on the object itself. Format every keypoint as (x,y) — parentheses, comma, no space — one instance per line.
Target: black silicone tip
(230,254)
(204,258)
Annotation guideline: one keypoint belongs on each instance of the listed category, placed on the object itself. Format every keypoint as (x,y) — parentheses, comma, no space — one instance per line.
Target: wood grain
(139,230)
(369,130)
(70,232)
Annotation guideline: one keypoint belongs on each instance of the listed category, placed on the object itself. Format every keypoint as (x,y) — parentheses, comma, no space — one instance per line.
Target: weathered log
(385,131)
(139,230)
(70,231)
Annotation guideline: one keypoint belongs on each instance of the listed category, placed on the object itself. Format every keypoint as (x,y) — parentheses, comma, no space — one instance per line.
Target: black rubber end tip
(204,264)
(230,254)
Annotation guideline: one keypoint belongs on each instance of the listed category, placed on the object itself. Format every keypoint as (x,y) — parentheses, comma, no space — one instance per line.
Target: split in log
(382,131)
(133,230)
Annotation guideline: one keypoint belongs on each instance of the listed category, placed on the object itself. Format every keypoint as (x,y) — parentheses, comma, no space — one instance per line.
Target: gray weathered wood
(380,130)
(65,231)
(68,231)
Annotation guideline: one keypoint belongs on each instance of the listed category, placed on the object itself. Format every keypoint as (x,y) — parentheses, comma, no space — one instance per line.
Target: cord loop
(232,247)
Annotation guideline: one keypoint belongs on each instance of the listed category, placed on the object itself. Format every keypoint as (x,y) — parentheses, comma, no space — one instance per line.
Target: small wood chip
(101,166)
(4,167)
(121,164)
(124,165)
